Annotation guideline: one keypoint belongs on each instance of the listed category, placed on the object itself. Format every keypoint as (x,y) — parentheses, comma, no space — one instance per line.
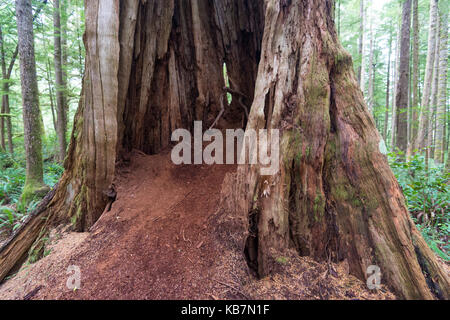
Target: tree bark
(5,109)
(50,93)
(335,196)
(361,41)
(434,95)
(362,47)
(388,88)
(415,71)
(372,69)
(441,115)
(6,74)
(422,135)
(30,99)
(402,92)
(61,122)
(394,95)
(65,55)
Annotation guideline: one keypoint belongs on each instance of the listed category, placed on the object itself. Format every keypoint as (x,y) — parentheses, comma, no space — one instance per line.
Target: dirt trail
(158,242)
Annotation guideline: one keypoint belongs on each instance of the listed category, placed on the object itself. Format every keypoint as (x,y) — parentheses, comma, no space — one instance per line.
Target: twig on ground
(233,288)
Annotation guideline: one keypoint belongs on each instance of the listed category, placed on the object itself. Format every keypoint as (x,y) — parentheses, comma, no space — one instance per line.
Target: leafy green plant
(425,186)
(12,179)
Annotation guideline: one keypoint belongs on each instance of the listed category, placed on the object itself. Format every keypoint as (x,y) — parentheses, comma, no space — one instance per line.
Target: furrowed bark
(335,196)
(30,99)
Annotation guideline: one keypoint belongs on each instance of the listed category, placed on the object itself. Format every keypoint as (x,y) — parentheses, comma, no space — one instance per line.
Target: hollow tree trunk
(335,196)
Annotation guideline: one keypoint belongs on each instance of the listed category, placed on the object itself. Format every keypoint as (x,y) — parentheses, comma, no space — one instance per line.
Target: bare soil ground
(160,241)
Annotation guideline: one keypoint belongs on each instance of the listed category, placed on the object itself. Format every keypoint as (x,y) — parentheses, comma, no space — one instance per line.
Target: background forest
(400,52)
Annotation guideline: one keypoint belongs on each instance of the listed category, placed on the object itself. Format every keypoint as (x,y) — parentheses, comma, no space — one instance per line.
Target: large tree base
(335,197)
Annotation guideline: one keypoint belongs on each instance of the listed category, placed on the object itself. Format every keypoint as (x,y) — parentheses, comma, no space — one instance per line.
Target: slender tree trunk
(434,95)
(339,17)
(415,72)
(50,93)
(361,41)
(6,75)
(30,100)
(388,88)
(402,93)
(4,96)
(61,122)
(441,117)
(422,135)
(372,66)
(394,95)
(64,55)
(363,44)
(335,196)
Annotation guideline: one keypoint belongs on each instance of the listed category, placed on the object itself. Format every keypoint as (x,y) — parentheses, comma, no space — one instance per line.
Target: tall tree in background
(64,7)
(388,88)
(361,41)
(61,109)
(395,87)
(5,99)
(434,95)
(422,135)
(415,72)
(363,46)
(441,114)
(402,93)
(5,109)
(7,70)
(372,66)
(30,100)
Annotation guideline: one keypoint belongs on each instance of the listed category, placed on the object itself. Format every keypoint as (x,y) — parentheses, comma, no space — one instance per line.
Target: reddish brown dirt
(159,242)
(154,242)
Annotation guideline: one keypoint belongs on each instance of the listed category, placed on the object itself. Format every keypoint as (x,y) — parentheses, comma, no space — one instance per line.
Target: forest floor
(160,241)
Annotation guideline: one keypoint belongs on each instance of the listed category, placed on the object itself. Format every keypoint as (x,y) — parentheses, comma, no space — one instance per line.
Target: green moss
(370,203)
(282,260)
(319,206)
(308,152)
(340,192)
(37,250)
(357,203)
(77,210)
(31,192)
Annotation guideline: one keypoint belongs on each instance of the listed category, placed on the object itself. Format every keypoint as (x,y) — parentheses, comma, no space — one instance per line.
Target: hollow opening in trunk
(203,68)
(251,244)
